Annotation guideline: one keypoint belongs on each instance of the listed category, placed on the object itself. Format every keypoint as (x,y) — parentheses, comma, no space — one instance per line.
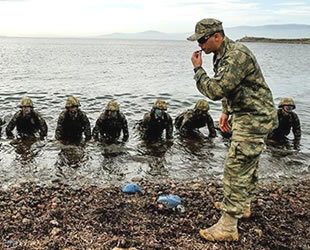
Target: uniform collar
(221,52)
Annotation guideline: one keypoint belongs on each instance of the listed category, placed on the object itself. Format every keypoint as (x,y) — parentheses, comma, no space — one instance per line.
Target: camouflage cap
(206,27)
(26,102)
(112,106)
(287,101)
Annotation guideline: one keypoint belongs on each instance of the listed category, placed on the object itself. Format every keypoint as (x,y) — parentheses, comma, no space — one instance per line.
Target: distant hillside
(274,40)
(271,31)
(146,35)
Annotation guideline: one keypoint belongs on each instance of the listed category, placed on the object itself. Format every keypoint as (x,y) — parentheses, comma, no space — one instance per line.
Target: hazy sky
(98,17)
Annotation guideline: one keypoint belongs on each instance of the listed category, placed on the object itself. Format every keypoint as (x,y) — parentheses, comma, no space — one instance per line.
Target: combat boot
(224,230)
(246,210)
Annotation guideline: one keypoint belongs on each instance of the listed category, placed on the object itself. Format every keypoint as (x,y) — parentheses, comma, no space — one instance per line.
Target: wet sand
(59,217)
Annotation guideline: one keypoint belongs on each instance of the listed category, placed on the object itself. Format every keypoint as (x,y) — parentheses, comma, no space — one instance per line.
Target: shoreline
(274,40)
(57,216)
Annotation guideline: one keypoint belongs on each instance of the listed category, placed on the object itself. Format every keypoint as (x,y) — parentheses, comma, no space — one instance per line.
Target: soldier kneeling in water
(189,122)
(156,121)
(27,121)
(288,120)
(72,123)
(110,124)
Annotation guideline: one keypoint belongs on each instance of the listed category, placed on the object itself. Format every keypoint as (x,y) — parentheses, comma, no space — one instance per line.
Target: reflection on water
(97,71)
(71,156)
(27,149)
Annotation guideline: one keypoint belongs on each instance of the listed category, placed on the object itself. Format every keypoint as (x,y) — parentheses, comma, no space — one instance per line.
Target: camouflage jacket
(110,128)
(27,125)
(69,129)
(153,128)
(189,121)
(287,122)
(239,82)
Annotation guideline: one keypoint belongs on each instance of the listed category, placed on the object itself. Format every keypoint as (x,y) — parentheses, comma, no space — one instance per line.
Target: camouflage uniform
(239,82)
(109,127)
(29,125)
(191,120)
(71,128)
(152,126)
(287,121)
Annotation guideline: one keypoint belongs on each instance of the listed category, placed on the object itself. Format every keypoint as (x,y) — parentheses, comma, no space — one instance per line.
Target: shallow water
(134,73)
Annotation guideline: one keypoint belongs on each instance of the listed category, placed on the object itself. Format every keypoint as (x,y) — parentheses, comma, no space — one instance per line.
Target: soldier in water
(288,120)
(191,120)
(72,123)
(156,121)
(110,124)
(27,121)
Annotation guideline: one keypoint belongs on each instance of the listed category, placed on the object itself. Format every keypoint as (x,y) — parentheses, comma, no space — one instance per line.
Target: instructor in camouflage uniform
(191,120)
(72,123)
(156,121)
(110,124)
(27,122)
(239,83)
(288,120)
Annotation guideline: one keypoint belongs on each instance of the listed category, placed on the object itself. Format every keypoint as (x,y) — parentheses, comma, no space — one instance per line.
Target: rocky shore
(60,217)
(274,40)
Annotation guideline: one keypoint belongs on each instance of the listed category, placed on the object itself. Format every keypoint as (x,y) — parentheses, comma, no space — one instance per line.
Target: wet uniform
(71,129)
(27,126)
(152,128)
(109,128)
(239,82)
(189,121)
(287,122)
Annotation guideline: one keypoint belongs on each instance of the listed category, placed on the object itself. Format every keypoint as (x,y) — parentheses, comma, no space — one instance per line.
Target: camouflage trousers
(240,174)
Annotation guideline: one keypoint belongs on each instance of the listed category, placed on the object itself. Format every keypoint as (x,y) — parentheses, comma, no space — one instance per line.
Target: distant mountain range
(270,31)
(146,35)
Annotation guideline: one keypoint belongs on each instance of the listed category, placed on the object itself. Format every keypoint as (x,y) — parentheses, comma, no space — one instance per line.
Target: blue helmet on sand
(170,200)
(131,188)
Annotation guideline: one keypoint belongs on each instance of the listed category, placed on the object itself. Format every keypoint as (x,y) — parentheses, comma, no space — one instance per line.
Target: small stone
(26,221)
(55,231)
(259,232)
(54,222)
(54,205)
(260,202)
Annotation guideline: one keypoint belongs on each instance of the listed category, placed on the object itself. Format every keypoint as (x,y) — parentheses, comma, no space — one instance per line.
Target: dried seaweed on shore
(59,217)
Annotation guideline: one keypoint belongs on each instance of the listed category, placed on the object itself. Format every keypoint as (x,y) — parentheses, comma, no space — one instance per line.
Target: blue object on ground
(9,243)
(169,200)
(131,188)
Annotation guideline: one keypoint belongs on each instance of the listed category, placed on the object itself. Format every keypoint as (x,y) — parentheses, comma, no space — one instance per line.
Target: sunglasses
(204,38)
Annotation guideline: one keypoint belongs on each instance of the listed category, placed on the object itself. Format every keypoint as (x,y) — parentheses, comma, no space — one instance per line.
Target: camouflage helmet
(287,101)
(202,105)
(112,106)
(26,102)
(72,102)
(160,104)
